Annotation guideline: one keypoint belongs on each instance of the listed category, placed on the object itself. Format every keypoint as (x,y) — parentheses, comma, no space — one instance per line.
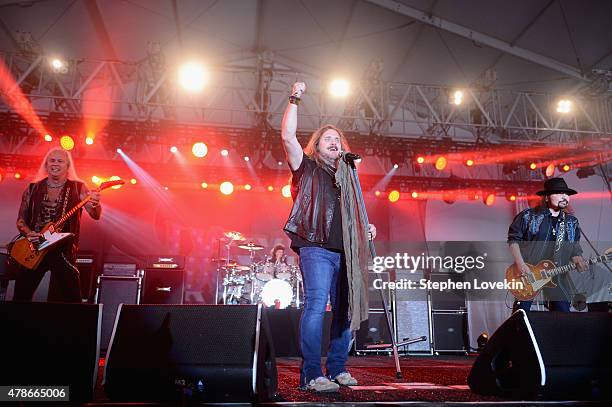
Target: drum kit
(277,285)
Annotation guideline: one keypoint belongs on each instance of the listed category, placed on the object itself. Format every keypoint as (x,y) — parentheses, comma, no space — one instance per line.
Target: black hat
(556,186)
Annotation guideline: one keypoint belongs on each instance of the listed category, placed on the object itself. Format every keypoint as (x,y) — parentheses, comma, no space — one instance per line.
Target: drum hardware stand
(350,160)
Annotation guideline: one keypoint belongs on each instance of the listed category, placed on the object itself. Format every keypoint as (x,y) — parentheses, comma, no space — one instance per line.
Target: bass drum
(277,290)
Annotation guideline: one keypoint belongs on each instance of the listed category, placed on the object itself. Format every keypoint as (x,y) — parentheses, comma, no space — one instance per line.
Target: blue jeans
(323,274)
(562,306)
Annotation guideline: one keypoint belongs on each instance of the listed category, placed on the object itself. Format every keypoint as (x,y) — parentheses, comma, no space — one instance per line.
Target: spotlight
(89,140)
(192,76)
(173,149)
(489,199)
(246,158)
(204,185)
(469,162)
(96,180)
(286,191)
(120,151)
(420,159)
(449,198)
(533,166)
(199,149)
(58,65)
(414,194)
(133,181)
(564,106)
(441,163)
(550,170)
(456,97)
(270,188)
(224,153)
(394,196)
(565,167)
(377,193)
(511,197)
(396,166)
(226,188)
(473,196)
(247,187)
(166,188)
(482,340)
(48,138)
(339,87)
(67,142)
(17,175)
(585,172)
(280,163)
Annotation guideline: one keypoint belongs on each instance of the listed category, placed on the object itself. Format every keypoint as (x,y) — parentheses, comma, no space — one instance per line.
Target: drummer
(277,255)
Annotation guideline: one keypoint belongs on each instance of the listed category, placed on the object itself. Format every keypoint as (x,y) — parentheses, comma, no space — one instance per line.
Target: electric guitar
(541,275)
(30,254)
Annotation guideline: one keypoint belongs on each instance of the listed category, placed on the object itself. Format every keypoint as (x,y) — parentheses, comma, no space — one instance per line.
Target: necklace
(51,186)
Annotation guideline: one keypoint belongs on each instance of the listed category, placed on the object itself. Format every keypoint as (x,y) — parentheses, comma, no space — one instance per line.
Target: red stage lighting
(204,185)
(96,180)
(286,191)
(247,187)
(89,140)
(469,162)
(550,170)
(566,167)
(115,178)
(199,149)
(17,175)
(394,196)
(489,200)
(224,153)
(420,159)
(270,188)
(48,138)
(173,149)
(533,166)
(377,193)
(441,163)
(133,181)
(67,142)
(511,197)
(414,194)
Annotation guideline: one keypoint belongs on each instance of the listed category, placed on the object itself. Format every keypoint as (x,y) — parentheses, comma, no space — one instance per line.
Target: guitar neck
(572,266)
(58,225)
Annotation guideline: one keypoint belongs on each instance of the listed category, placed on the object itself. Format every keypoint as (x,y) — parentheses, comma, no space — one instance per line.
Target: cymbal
(250,246)
(223,261)
(233,235)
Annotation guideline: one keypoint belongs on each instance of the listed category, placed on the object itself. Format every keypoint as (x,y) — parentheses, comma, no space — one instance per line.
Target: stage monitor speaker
(552,355)
(51,344)
(206,353)
(162,286)
(372,331)
(112,291)
(285,331)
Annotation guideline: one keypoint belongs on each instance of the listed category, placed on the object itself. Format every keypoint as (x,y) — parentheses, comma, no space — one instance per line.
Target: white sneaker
(322,385)
(345,379)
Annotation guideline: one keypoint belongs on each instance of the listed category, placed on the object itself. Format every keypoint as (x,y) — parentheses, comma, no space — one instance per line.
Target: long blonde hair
(312,148)
(42,170)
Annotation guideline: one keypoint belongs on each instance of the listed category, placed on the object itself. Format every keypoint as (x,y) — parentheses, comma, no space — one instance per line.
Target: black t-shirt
(551,238)
(335,241)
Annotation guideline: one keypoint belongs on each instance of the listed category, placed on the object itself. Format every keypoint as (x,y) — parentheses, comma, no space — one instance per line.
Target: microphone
(350,157)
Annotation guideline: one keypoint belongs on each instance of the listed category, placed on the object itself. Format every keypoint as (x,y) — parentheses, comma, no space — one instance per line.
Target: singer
(321,216)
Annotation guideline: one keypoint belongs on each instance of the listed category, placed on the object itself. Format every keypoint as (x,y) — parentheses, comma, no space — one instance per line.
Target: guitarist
(548,232)
(57,190)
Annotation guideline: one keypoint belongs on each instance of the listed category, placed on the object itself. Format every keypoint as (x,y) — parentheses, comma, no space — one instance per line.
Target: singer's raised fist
(298,89)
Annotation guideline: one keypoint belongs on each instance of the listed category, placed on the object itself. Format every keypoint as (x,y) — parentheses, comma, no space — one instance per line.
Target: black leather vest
(313,203)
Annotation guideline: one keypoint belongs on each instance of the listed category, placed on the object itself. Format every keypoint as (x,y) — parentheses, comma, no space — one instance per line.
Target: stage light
(394,196)
(246,158)
(224,153)
(511,197)
(1,177)
(396,166)
(533,166)
(89,140)
(166,188)
(270,188)
(457,97)
(550,170)
(488,200)
(469,162)
(199,149)
(173,149)
(120,151)
(67,142)
(226,188)
(420,159)
(565,167)
(441,163)
(482,340)
(377,193)
(96,180)
(339,88)
(564,106)
(58,65)
(204,185)
(286,191)
(414,194)
(133,181)
(473,196)
(280,163)
(115,178)
(192,76)
(247,187)
(17,175)
(449,198)
(48,138)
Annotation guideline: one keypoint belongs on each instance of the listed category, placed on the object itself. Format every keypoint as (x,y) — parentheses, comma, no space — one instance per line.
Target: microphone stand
(350,158)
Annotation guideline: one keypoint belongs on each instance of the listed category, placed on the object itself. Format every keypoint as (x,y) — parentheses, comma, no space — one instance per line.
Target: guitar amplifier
(86,263)
(119,269)
(164,262)
(163,286)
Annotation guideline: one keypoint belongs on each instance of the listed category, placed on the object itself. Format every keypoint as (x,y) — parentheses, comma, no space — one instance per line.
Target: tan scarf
(356,251)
